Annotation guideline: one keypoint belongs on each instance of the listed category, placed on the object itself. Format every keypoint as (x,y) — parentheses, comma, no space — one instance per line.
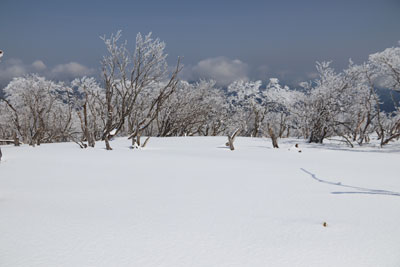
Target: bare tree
(1,55)
(280,107)
(193,109)
(89,98)
(247,106)
(231,139)
(127,74)
(387,64)
(39,110)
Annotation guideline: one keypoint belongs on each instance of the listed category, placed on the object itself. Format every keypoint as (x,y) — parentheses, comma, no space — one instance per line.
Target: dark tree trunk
(145,141)
(16,139)
(91,141)
(231,140)
(107,142)
(274,141)
(274,138)
(317,136)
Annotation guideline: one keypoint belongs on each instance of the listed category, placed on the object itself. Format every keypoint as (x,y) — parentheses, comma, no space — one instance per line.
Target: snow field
(192,202)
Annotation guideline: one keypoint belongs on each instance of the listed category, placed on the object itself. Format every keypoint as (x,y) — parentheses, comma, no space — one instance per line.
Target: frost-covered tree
(280,110)
(89,105)
(1,111)
(387,65)
(247,106)
(38,110)
(149,104)
(329,98)
(358,121)
(344,104)
(194,108)
(6,121)
(217,119)
(127,74)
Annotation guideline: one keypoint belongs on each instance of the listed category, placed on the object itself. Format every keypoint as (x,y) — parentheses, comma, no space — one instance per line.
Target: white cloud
(221,69)
(12,68)
(39,65)
(312,75)
(70,70)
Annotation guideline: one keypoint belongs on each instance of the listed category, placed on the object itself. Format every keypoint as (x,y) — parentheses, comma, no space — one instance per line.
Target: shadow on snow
(361,190)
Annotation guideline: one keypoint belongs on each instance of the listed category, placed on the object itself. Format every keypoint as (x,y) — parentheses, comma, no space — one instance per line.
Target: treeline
(139,95)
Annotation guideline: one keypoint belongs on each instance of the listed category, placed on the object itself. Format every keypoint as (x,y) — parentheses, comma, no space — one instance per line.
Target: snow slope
(190,201)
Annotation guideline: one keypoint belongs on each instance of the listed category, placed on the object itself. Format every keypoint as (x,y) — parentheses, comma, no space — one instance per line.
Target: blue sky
(218,39)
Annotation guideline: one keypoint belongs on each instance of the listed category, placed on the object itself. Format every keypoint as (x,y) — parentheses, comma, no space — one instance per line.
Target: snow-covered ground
(192,202)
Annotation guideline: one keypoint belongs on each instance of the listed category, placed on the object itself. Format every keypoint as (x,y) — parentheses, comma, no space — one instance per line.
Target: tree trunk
(16,139)
(145,141)
(231,139)
(133,142)
(317,136)
(91,141)
(107,142)
(274,138)
(318,132)
(230,143)
(274,141)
